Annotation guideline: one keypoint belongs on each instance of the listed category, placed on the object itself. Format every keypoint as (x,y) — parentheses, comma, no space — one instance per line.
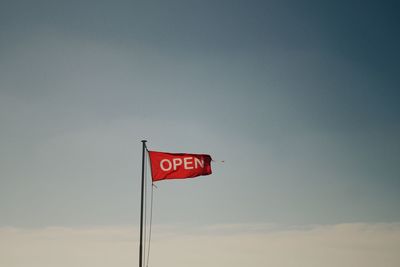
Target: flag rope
(150,223)
(146,258)
(145,209)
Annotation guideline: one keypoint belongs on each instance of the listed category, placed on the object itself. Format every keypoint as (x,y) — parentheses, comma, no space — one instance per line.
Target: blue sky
(299,99)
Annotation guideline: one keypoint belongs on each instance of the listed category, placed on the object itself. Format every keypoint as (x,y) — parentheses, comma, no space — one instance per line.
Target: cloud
(222,245)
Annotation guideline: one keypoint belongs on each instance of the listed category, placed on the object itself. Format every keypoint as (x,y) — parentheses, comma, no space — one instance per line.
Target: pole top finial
(144,141)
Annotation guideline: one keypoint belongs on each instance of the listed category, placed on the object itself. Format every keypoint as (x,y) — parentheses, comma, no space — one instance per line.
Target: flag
(178,165)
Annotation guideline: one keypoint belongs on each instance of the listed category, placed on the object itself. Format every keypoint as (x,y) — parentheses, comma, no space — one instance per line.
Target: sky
(298,98)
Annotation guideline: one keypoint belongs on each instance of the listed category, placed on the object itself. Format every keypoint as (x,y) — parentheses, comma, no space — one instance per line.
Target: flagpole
(141,205)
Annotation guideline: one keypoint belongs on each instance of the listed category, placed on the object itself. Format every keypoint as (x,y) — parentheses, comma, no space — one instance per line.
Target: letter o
(169,163)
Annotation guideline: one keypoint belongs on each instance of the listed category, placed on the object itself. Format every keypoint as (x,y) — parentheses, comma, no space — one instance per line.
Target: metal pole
(141,206)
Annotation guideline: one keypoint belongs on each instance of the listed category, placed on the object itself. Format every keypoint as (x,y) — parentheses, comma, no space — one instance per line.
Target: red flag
(178,165)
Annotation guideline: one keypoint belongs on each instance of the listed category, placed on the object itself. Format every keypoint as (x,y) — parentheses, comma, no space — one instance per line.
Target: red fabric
(178,165)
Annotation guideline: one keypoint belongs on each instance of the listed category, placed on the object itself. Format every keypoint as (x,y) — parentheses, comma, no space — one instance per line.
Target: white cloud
(224,245)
